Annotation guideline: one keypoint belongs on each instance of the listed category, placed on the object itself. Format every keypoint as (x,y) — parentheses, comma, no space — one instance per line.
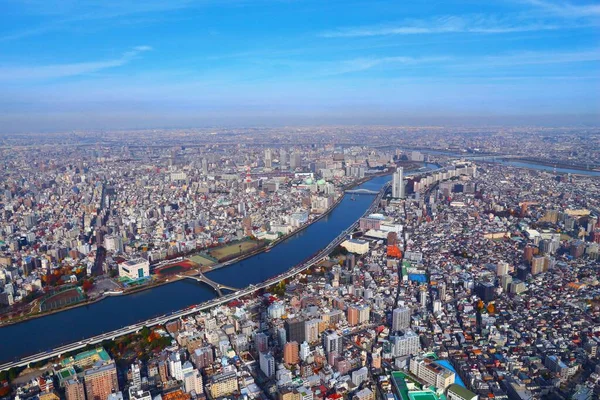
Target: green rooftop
(87,357)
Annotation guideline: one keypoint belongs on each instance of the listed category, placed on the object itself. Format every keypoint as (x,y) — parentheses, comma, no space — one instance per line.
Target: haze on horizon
(108,64)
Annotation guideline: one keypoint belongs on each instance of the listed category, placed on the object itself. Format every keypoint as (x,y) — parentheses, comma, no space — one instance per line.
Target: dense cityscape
(467,267)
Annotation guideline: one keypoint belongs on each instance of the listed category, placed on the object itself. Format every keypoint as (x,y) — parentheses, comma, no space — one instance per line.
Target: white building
(398,184)
(431,372)
(134,269)
(175,366)
(406,344)
(401,319)
(356,246)
(192,381)
(267,364)
(360,375)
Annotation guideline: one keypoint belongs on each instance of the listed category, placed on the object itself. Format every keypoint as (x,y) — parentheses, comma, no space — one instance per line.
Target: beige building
(431,372)
(101,381)
(74,390)
(223,384)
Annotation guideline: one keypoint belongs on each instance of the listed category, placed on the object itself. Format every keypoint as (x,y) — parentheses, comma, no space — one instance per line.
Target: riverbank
(174,278)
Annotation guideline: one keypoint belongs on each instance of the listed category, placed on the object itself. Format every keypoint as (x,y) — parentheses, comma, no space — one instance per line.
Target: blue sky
(134,64)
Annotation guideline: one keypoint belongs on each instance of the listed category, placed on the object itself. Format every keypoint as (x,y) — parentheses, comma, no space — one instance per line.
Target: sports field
(202,260)
(227,251)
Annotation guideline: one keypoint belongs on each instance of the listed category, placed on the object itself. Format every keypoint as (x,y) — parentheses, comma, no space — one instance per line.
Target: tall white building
(398,183)
(267,364)
(192,381)
(400,319)
(332,342)
(175,367)
(136,377)
(304,351)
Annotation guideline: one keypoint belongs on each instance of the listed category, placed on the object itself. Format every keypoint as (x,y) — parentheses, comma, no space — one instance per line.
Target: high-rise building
(261,341)
(74,390)
(136,376)
(400,319)
(192,381)
(203,357)
(398,183)
(358,314)
(223,384)
(282,157)
(268,158)
(295,160)
(294,329)
(101,381)
(332,342)
(290,353)
(304,351)
(175,366)
(432,372)
(267,364)
(311,330)
(502,268)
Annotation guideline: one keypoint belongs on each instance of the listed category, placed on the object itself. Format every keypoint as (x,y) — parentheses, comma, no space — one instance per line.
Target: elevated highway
(224,299)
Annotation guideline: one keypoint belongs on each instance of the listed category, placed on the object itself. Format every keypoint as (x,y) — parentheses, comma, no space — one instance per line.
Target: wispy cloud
(367,63)
(566,9)
(46,72)
(444,24)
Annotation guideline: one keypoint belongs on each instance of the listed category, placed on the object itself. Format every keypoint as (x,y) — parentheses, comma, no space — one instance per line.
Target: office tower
(506,280)
(175,366)
(192,381)
(423,297)
(290,353)
(332,342)
(268,158)
(267,364)
(282,157)
(304,351)
(74,390)
(205,166)
(261,341)
(400,319)
(398,183)
(294,329)
(101,381)
(281,336)
(295,160)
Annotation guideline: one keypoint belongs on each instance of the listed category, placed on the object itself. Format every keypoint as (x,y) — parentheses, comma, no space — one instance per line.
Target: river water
(41,334)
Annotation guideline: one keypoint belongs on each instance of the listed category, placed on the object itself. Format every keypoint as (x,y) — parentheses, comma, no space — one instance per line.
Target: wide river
(40,334)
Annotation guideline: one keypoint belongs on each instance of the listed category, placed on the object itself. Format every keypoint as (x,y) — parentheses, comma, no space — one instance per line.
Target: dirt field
(172,269)
(232,249)
(62,299)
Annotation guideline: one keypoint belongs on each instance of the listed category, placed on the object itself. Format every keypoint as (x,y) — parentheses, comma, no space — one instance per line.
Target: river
(44,333)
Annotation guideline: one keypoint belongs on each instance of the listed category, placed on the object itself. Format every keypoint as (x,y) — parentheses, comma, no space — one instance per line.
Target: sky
(132,64)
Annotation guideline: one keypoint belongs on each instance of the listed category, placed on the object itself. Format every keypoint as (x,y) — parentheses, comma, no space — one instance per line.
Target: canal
(40,334)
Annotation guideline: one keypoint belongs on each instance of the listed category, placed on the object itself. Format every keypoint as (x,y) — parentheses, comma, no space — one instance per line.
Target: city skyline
(124,65)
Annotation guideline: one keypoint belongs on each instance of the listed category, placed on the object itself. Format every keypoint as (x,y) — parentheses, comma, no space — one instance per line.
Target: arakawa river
(44,333)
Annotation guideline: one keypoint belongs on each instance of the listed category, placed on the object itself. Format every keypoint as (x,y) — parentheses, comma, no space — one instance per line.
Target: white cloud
(445,24)
(567,9)
(54,71)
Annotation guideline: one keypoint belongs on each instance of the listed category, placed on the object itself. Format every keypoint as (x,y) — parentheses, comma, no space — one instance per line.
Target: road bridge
(361,191)
(215,285)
